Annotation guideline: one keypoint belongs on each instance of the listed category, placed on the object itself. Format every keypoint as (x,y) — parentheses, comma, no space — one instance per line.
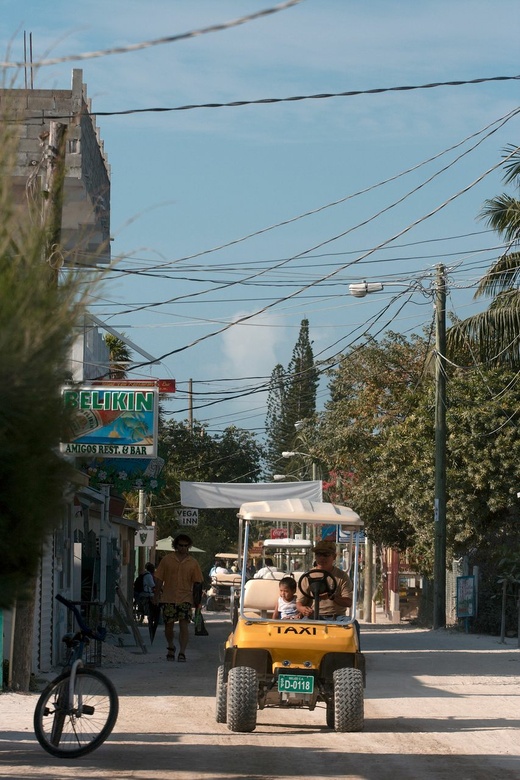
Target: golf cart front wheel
(242,698)
(348,700)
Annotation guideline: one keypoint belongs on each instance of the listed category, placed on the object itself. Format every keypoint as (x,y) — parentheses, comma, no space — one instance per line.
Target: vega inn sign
(113,421)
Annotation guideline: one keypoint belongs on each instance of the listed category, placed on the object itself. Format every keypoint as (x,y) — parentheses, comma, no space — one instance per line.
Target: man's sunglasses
(183,545)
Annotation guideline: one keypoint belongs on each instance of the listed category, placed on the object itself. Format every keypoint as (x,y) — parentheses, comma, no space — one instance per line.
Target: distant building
(86,207)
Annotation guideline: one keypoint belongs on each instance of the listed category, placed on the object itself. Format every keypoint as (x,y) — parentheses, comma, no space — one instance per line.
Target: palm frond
(503,275)
(512,166)
(502,214)
(493,336)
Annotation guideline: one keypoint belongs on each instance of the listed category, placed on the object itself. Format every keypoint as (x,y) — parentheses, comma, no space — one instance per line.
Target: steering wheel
(314,583)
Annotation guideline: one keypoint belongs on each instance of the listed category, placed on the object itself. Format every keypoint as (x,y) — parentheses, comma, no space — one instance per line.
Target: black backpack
(138,584)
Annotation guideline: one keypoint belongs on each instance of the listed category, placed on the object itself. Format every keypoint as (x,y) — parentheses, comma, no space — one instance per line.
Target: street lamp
(281,477)
(439,568)
(303,455)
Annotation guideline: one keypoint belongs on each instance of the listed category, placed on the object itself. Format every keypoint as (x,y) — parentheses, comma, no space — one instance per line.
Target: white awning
(231,495)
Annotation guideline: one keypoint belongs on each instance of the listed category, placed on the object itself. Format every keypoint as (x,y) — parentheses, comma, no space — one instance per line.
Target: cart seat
(226,579)
(261,597)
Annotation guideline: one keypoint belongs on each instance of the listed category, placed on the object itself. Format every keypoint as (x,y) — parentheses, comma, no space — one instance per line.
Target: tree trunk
(23,643)
(503,617)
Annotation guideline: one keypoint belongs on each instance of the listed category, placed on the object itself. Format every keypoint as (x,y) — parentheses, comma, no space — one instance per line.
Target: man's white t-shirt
(266,573)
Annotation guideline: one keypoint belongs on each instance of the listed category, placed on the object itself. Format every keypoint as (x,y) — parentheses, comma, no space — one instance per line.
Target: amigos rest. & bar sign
(112,421)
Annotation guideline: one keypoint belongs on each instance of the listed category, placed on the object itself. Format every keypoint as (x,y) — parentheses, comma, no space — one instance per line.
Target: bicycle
(78,710)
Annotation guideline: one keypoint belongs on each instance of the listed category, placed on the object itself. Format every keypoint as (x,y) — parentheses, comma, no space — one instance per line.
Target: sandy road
(438,705)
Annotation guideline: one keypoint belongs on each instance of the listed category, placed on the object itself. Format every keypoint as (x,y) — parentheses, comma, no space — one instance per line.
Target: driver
(330,608)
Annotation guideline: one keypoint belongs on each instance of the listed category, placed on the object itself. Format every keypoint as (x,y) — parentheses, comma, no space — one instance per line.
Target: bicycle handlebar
(86,629)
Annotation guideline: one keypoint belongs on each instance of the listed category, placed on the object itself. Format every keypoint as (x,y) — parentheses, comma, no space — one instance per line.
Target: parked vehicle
(287,663)
(220,591)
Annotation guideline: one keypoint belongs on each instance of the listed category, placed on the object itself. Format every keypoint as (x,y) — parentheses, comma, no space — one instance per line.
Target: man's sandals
(170,655)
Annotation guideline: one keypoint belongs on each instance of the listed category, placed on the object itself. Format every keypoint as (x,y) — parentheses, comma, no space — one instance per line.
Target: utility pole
(53,193)
(190,404)
(141,519)
(439,575)
(368,590)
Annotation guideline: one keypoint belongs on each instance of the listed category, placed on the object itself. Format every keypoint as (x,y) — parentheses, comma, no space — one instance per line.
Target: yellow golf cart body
(291,663)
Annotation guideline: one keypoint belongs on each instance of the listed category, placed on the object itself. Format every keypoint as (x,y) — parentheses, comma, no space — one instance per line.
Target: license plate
(295,683)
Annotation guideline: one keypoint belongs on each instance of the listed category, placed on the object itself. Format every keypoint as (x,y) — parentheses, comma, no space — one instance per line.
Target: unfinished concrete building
(85,226)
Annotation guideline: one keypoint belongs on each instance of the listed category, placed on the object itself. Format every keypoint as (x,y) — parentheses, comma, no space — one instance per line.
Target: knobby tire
(70,733)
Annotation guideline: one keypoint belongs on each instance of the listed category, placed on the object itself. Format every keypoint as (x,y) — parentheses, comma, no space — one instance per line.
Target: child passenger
(286,605)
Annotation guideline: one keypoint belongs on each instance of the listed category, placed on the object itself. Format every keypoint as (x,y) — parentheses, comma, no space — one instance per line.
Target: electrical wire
(332,274)
(156,42)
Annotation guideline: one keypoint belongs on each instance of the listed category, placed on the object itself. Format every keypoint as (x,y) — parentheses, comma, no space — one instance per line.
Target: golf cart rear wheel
(242,696)
(221,697)
(348,700)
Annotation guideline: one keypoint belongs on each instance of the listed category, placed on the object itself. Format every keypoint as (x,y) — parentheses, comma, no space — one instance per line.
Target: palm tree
(119,356)
(495,333)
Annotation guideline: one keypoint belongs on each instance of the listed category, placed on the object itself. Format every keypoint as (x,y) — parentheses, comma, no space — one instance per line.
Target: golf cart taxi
(222,586)
(293,663)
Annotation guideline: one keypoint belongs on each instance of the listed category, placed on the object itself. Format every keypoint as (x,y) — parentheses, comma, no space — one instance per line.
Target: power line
(292,98)
(156,42)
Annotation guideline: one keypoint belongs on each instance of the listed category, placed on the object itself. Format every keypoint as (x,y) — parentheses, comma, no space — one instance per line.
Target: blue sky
(185,183)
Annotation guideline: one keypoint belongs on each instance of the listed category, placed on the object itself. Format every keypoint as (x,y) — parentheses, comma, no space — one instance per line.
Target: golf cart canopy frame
(301,511)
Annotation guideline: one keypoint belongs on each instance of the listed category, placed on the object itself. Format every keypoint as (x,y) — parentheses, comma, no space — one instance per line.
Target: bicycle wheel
(71,732)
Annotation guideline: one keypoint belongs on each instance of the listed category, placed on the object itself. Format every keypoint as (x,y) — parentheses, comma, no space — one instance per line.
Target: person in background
(181,580)
(286,608)
(267,571)
(144,588)
(218,567)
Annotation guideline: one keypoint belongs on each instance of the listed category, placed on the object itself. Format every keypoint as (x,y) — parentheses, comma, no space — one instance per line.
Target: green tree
(379,426)
(493,334)
(192,454)
(372,390)
(37,326)
(292,397)
(277,431)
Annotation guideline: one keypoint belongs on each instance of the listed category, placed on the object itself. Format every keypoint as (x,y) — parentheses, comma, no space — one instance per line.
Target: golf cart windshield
(289,555)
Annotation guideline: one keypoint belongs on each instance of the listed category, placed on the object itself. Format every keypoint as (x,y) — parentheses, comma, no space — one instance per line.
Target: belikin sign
(114,422)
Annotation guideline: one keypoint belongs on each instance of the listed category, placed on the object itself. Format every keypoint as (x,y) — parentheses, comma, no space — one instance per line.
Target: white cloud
(255,347)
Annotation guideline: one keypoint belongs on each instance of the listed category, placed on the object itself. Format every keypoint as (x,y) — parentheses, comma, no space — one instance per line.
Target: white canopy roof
(300,511)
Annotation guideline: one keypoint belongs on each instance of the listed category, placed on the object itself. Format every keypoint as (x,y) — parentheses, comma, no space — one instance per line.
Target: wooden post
(439,580)
(53,194)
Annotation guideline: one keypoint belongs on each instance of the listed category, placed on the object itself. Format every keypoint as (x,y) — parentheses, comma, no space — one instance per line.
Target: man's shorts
(173,612)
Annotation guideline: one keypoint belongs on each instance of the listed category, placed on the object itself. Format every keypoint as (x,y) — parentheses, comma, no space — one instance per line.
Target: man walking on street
(181,580)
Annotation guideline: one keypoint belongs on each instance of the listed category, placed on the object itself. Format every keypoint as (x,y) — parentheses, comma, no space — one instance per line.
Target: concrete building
(85,232)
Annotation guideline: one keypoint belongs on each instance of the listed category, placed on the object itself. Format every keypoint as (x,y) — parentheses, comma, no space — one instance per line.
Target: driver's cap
(325,547)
